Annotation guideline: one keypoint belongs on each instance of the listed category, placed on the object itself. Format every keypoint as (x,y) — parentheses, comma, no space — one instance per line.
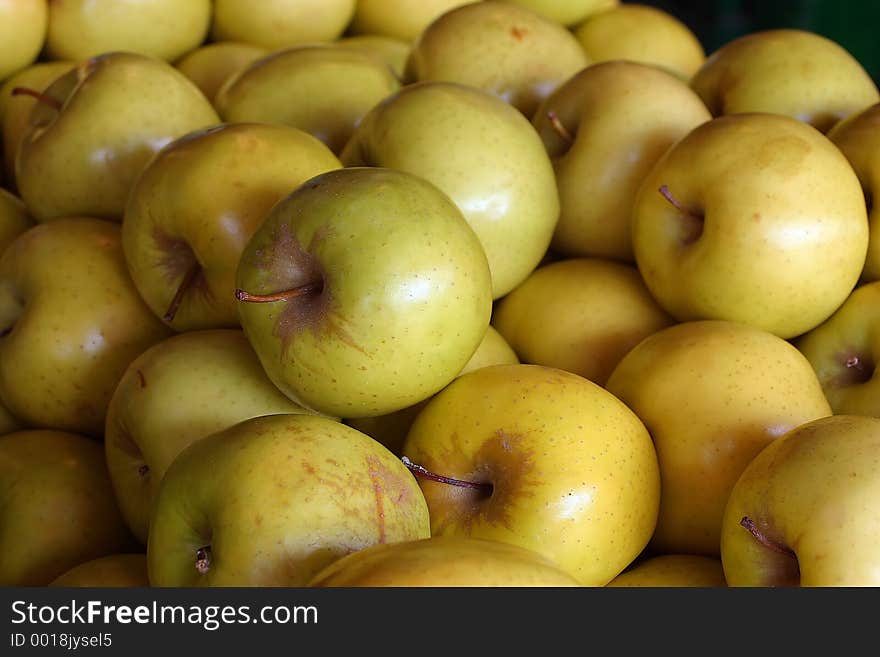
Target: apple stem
(421,471)
(43,98)
(750,525)
(185,284)
(203,559)
(301,291)
(559,128)
(664,190)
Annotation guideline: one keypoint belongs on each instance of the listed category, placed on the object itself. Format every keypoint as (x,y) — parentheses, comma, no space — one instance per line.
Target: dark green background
(854,24)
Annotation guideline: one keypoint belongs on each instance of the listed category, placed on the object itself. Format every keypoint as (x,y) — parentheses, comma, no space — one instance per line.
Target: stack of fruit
(411,293)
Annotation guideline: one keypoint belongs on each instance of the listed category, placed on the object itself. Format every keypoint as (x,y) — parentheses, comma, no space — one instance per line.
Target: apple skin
(391,50)
(278,498)
(623,117)
(211,64)
(712,394)
(567,12)
(772,229)
(581,315)
(673,570)
(115,570)
(501,48)
(642,33)
(118,109)
(166,29)
(813,495)
(443,561)
(401,19)
(198,202)
(844,349)
(765,71)
(404,292)
(73,321)
(275,24)
(179,390)
(858,138)
(573,472)
(22,34)
(58,507)
(14,218)
(482,153)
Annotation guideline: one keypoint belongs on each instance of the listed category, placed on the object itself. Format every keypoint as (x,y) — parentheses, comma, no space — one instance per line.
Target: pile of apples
(433,293)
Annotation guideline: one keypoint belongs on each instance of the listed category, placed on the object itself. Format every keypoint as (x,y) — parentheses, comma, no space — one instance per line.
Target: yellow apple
(580,314)
(22,33)
(115,570)
(804,512)
(673,570)
(14,218)
(391,50)
(567,12)
(402,19)
(713,394)
(211,64)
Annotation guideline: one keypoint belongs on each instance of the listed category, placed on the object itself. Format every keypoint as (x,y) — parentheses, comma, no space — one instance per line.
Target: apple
(756,218)
(540,458)
(604,128)
(642,33)
(22,34)
(507,50)
(844,350)
(277,24)
(14,218)
(334,88)
(581,315)
(196,204)
(483,154)
(71,321)
(211,64)
(391,50)
(793,72)
(804,512)
(95,129)
(176,392)
(273,500)
(858,137)
(444,561)
(673,570)
(114,570)
(57,507)
(364,291)
(15,106)
(79,29)
(401,19)
(567,12)
(713,394)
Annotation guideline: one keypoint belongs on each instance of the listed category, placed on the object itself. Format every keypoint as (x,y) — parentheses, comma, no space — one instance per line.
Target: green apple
(71,321)
(22,34)
(483,154)
(196,204)
(401,19)
(793,72)
(273,500)
(567,12)
(115,570)
(211,64)
(581,315)
(642,33)
(15,107)
(844,350)
(174,393)
(96,128)
(14,218)
(858,137)
(540,458)
(804,512)
(444,561)
(57,508)
(364,291)
(79,29)
(754,217)
(391,50)
(604,128)
(277,24)
(713,394)
(391,429)
(334,88)
(507,50)
(673,570)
